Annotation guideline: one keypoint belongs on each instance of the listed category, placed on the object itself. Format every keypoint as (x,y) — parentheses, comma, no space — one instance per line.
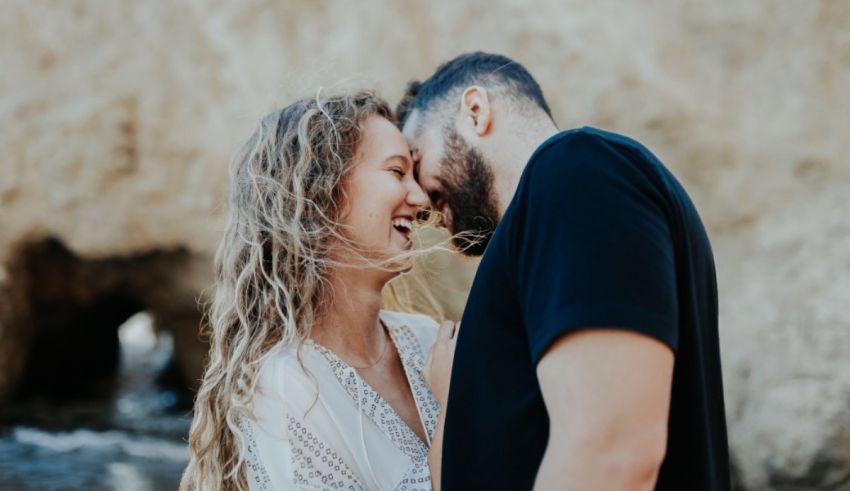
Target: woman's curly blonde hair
(272,263)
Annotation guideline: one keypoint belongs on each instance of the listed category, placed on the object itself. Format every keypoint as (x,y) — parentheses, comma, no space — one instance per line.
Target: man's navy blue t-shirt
(598,234)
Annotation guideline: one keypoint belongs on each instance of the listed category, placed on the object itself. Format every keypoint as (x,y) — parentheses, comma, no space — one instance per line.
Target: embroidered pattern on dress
(315,463)
(256,472)
(417,478)
(413,360)
(375,407)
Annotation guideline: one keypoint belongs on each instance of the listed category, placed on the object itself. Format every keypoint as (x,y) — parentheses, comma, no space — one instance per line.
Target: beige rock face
(118,120)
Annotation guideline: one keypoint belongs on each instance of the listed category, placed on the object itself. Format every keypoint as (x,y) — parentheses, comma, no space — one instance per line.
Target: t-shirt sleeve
(592,244)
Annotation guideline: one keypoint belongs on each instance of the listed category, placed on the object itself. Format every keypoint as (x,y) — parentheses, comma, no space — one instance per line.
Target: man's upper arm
(603,385)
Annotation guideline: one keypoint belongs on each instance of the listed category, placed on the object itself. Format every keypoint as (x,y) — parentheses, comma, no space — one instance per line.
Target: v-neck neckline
(375,406)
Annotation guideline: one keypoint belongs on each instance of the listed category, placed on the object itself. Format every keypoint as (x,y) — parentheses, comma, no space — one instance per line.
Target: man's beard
(468,189)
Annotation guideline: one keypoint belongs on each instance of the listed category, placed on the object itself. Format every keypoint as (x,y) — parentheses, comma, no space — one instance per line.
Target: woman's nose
(416,196)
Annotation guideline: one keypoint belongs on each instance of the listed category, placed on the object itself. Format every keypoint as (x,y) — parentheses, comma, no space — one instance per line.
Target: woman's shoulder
(284,374)
(423,327)
(282,360)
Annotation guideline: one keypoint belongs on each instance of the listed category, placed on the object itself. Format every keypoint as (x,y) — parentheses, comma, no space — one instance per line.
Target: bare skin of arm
(437,372)
(607,392)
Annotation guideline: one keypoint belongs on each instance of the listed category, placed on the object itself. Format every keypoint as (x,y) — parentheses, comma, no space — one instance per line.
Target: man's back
(599,234)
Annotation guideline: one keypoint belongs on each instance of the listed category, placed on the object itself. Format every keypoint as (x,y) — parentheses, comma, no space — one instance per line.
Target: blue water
(131,440)
(32,458)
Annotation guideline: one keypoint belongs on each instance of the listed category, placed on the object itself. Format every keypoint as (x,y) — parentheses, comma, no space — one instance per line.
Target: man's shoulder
(569,159)
(588,158)
(578,143)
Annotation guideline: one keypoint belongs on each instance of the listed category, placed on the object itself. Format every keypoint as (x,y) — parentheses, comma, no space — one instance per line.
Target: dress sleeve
(592,245)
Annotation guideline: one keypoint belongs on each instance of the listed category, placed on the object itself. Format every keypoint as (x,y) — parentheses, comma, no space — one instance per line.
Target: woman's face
(383,195)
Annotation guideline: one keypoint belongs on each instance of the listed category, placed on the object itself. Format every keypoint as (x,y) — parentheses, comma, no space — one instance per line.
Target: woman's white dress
(326,428)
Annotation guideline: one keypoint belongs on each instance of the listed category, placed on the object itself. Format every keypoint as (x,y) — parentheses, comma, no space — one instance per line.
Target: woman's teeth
(403,224)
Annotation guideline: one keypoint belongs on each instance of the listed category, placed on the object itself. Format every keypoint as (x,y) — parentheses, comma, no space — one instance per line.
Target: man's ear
(476,110)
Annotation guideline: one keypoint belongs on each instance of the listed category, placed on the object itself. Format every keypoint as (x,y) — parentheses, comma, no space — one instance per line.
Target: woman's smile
(403,227)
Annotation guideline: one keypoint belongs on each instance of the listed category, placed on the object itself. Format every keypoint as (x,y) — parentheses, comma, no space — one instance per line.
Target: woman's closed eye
(398,171)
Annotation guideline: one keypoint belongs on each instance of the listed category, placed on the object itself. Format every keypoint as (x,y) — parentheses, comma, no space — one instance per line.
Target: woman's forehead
(382,140)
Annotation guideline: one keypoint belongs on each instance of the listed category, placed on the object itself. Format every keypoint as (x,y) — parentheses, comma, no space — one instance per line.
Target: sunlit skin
(380,189)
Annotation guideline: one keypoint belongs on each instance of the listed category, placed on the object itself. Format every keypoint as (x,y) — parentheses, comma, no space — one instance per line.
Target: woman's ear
(476,109)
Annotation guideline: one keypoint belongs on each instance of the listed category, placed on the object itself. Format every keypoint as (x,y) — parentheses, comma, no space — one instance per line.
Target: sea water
(133,440)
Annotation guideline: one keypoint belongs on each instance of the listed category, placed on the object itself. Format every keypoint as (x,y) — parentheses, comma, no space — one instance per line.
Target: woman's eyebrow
(405,158)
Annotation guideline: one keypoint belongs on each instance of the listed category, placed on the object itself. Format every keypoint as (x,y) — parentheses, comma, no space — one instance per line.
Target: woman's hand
(438,366)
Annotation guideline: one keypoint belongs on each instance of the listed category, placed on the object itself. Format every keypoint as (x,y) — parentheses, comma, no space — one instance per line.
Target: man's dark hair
(463,71)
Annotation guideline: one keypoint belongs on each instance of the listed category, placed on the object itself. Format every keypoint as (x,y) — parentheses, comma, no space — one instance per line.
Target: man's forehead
(413,125)
(417,132)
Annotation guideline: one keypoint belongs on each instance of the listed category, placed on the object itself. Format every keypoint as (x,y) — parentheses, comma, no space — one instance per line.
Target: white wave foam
(144,447)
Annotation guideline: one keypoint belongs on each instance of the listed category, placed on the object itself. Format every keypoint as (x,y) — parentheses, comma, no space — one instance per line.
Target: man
(588,355)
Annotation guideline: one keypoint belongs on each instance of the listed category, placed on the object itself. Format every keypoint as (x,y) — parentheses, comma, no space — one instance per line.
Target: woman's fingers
(438,365)
(426,370)
(446,331)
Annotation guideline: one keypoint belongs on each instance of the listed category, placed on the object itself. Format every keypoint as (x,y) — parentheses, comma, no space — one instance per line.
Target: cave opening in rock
(95,326)
(76,353)
(148,382)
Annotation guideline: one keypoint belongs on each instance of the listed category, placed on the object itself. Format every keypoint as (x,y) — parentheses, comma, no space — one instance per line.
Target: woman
(310,384)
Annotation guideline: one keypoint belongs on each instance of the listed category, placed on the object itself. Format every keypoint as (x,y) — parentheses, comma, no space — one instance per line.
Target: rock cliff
(118,120)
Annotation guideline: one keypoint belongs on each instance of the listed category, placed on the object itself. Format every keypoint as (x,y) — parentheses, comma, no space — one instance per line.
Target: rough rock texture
(118,120)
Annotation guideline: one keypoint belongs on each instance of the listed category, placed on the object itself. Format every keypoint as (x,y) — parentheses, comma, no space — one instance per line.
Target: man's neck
(515,156)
